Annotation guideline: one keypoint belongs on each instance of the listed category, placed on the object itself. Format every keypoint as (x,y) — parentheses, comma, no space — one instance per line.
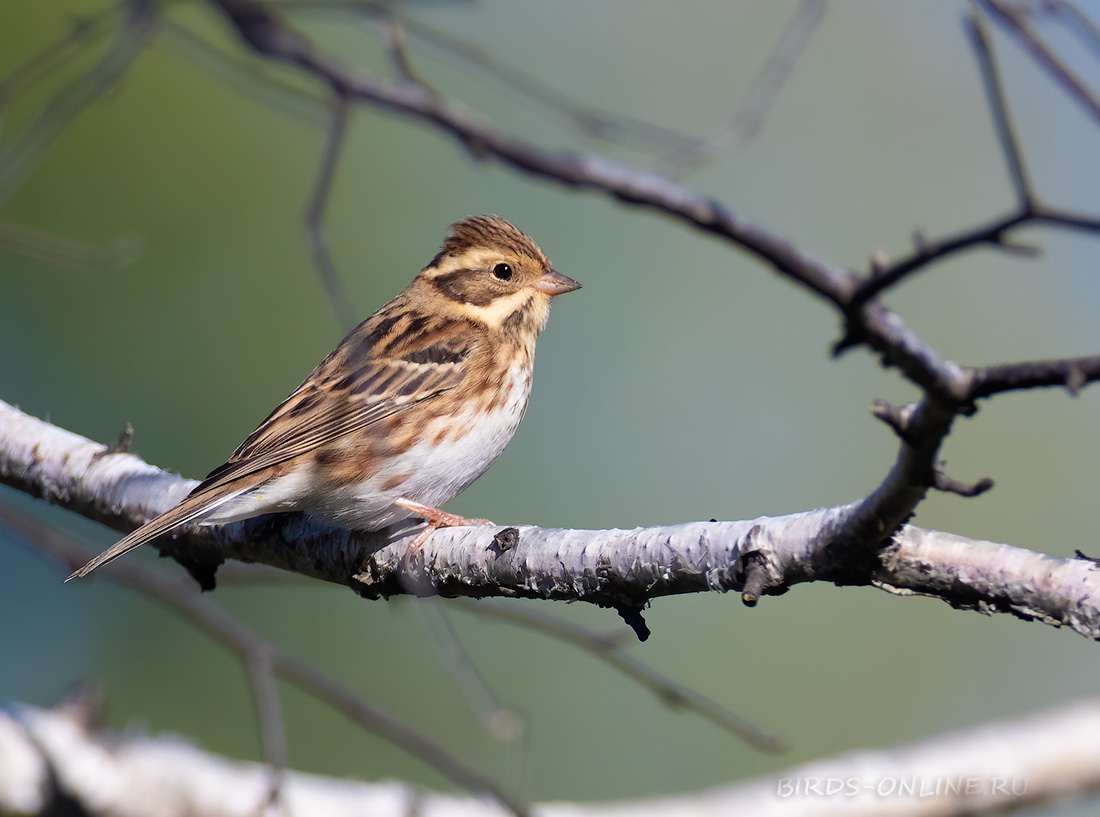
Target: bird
(409,409)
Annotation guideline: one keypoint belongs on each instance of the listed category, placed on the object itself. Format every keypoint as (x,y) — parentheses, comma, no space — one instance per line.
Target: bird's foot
(436,519)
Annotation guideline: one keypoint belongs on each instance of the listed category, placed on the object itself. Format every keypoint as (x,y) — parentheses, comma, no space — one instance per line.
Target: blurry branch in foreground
(59,755)
(263,662)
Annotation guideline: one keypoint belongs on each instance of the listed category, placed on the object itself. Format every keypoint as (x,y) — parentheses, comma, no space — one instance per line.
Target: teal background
(685,381)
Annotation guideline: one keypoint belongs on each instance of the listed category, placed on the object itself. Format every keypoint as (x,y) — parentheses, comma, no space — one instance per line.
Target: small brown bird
(412,406)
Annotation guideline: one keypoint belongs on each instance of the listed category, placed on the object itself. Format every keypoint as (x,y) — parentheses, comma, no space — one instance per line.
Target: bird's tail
(193,507)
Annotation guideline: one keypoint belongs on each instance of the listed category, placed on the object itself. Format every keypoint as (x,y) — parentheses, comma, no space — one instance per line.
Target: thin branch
(399,54)
(269,712)
(998,105)
(1086,28)
(869,322)
(1016,21)
(944,483)
(84,32)
(609,649)
(884,276)
(262,658)
(1072,374)
(243,76)
(500,722)
(1064,218)
(68,252)
(19,158)
(318,201)
(763,91)
(588,120)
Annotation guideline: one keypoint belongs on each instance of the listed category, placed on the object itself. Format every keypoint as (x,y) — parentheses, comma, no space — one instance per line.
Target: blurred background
(685,381)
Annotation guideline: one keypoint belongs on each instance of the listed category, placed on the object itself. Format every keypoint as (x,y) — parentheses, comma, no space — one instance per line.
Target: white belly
(434,472)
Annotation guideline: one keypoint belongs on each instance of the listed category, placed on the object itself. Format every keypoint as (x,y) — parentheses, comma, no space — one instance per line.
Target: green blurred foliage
(685,381)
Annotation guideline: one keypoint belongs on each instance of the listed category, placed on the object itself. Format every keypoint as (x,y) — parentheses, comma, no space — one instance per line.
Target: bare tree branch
(263,661)
(762,93)
(68,252)
(608,649)
(610,568)
(1028,210)
(1086,28)
(588,120)
(1016,20)
(244,76)
(84,32)
(315,211)
(987,770)
(18,159)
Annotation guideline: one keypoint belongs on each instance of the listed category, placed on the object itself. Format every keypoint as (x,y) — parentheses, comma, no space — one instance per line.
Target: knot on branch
(633,618)
(756,568)
(898,418)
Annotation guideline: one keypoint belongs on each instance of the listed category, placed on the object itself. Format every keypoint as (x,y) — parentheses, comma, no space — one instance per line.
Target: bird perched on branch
(412,406)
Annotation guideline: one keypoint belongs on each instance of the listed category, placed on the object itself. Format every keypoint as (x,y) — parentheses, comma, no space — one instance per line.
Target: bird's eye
(502,272)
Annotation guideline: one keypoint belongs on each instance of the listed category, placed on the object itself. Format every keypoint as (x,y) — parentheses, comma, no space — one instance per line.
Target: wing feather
(317,413)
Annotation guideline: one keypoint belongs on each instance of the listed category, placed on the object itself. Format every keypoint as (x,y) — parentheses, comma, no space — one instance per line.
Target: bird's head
(492,273)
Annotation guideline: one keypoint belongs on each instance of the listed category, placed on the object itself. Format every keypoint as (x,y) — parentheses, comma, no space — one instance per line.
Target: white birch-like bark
(991,769)
(615,568)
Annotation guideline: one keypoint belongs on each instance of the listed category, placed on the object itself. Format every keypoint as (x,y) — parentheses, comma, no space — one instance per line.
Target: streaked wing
(332,403)
(327,406)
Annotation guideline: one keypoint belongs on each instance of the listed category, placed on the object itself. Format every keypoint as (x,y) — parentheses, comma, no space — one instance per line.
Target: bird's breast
(440,453)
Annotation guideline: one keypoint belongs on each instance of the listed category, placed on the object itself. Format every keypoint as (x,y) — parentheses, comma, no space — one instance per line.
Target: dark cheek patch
(464,287)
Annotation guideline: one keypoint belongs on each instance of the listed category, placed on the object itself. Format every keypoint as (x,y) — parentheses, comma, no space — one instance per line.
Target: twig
(1016,21)
(51,58)
(608,648)
(242,75)
(944,483)
(1071,373)
(998,105)
(763,91)
(68,252)
(262,659)
(883,276)
(499,721)
(19,158)
(318,201)
(1089,31)
(590,121)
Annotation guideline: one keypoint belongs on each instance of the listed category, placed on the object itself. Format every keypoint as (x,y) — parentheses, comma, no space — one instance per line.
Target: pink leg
(436,519)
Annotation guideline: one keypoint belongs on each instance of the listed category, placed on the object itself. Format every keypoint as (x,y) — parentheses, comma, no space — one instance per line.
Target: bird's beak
(554,283)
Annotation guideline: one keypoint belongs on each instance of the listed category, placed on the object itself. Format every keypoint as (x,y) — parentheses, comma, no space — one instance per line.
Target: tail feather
(192,508)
